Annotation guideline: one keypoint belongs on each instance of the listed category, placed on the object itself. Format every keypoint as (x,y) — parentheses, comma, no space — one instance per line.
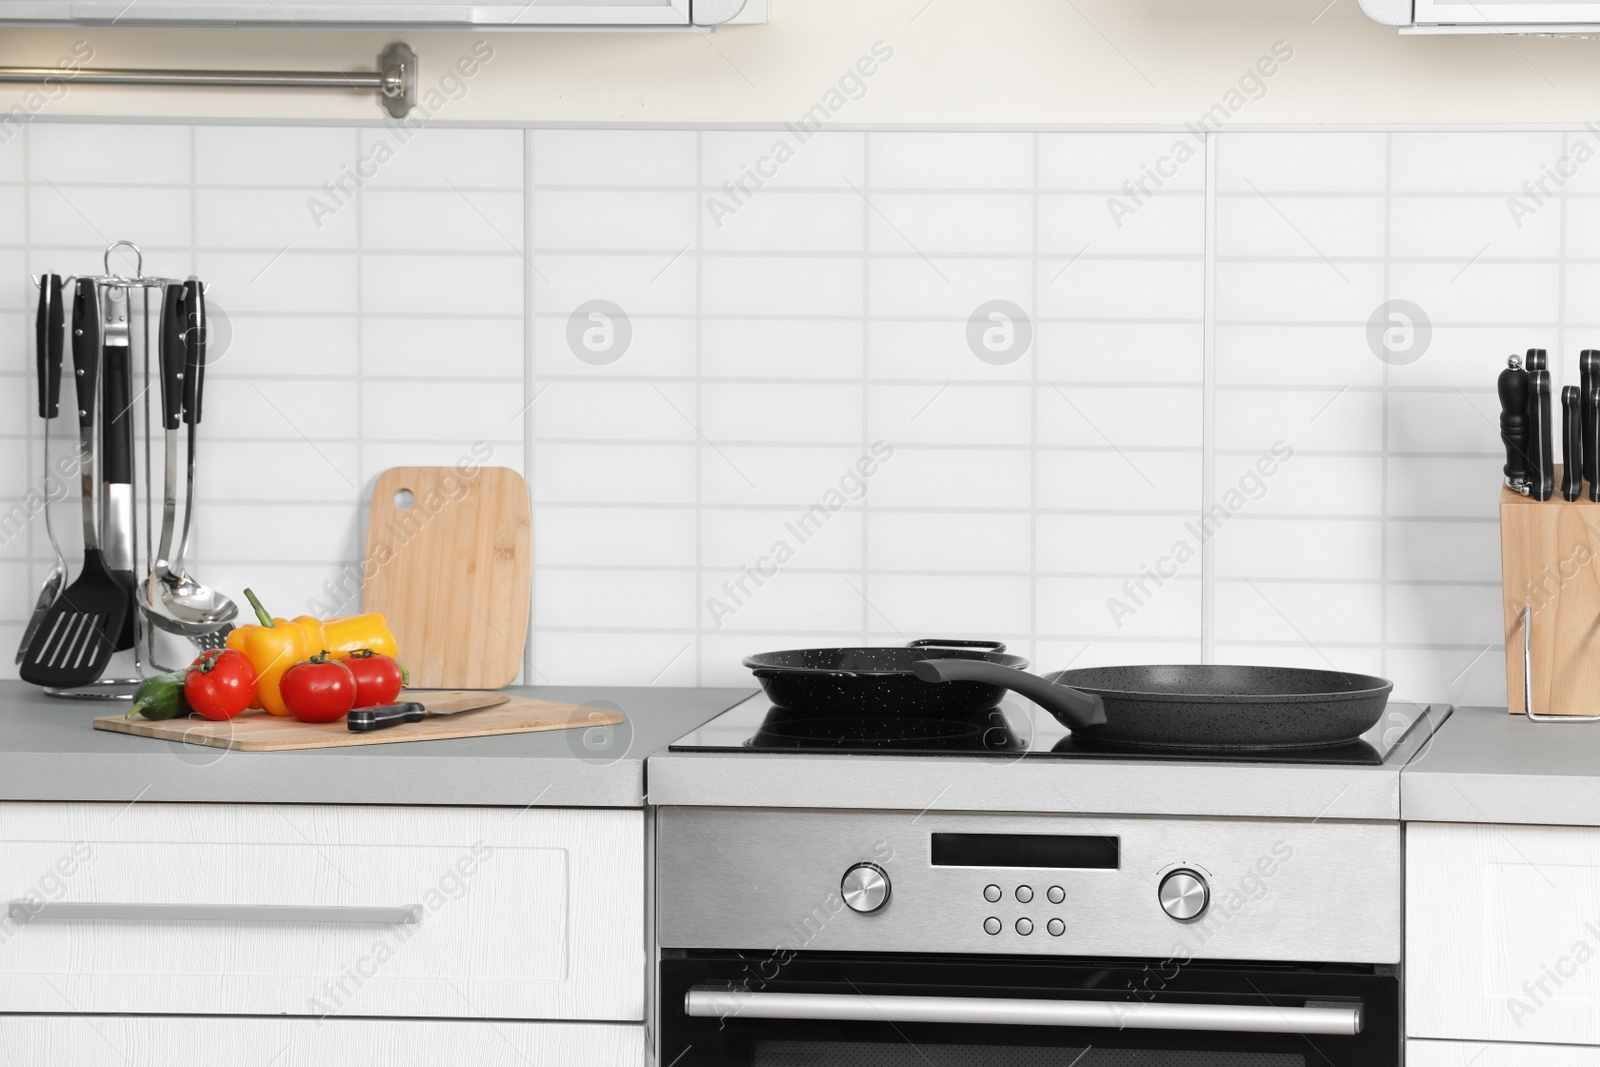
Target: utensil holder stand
(1550,578)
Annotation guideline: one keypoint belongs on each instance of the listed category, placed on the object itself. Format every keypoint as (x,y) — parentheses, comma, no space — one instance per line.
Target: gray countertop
(49,751)
(1485,766)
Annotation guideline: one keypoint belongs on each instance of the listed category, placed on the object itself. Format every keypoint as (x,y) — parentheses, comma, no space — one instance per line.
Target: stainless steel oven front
(883,939)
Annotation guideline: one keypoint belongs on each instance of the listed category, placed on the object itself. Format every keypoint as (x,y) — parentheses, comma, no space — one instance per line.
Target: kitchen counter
(1130,787)
(49,751)
(1486,766)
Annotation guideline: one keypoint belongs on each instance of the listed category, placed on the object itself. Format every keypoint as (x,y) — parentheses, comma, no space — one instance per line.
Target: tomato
(379,678)
(319,689)
(220,684)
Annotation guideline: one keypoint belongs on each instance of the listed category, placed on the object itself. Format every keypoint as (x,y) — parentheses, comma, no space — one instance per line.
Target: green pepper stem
(261,612)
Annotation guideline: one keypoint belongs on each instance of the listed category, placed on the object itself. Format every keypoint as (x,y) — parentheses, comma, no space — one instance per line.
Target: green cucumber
(160,696)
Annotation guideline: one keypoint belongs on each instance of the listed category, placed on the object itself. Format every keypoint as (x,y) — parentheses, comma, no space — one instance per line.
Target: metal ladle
(171,599)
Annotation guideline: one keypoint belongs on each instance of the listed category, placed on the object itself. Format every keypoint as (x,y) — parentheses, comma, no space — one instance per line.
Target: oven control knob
(1184,895)
(865,888)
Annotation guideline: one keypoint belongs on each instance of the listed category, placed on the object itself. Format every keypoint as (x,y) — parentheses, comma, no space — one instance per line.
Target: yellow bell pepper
(278,644)
(352,633)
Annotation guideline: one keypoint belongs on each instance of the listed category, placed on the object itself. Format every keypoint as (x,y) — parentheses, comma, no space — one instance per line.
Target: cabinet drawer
(1503,933)
(1475,1054)
(322,911)
(135,1041)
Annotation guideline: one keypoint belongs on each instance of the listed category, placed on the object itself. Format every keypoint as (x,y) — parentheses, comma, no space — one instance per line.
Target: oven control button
(1024,894)
(1056,927)
(1024,927)
(991,893)
(1055,894)
(991,926)
(865,888)
(1184,895)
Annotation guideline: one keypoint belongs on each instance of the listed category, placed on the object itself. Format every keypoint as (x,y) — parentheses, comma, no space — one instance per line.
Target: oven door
(732,1009)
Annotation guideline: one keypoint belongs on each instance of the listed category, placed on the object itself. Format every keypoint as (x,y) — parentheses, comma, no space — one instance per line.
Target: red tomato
(319,689)
(220,684)
(379,678)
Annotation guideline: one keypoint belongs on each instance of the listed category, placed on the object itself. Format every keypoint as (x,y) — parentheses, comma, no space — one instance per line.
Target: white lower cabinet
(154,1041)
(1503,941)
(1478,1054)
(327,912)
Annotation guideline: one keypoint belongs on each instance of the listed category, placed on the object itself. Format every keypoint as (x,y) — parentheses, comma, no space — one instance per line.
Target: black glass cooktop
(1016,729)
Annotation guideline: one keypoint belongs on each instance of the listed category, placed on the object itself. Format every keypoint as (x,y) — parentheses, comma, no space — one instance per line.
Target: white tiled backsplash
(775,335)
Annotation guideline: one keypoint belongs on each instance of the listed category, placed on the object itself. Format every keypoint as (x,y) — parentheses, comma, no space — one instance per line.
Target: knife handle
(1571,444)
(365,720)
(116,414)
(174,314)
(86,348)
(48,326)
(1538,360)
(1513,387)
(1589,400)
(194,335)
(1543,474)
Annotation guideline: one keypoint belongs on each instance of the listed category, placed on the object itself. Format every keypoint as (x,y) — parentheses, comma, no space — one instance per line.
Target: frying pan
(880,681)
(1193,706)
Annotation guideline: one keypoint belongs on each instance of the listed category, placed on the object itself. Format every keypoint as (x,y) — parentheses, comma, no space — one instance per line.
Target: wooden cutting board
(452,572)
(263,732)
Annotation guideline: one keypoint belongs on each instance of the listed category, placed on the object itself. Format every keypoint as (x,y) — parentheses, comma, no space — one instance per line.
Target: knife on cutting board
(365,720)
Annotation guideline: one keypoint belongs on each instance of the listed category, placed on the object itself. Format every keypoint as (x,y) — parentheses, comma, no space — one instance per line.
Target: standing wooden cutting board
(452,572)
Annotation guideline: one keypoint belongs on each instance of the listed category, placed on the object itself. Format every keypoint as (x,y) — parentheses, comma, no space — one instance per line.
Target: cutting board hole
(404,499)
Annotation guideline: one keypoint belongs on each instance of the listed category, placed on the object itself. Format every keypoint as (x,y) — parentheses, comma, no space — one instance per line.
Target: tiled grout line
(364,516)
(34,558)
(1383,429)
(700,582)
(1033,430)
(866,373)
(1208,408)
(529,392)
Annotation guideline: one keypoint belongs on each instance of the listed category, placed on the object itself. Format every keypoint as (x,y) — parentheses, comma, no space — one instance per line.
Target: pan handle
(940,642)
(1073,707)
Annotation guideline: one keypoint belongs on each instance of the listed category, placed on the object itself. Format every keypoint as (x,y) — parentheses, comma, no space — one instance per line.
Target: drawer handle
(25,911)
(1001,1011)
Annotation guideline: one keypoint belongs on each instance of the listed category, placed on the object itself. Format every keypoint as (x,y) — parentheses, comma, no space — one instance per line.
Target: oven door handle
(711,1003)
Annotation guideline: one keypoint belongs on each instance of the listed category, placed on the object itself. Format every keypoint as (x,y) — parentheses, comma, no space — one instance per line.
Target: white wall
(979,61)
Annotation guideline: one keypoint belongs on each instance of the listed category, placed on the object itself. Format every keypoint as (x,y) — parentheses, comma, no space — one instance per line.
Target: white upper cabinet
(367,13)
(1500,16)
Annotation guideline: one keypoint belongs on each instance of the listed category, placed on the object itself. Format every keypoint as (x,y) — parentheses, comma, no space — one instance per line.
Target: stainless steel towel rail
(395,81)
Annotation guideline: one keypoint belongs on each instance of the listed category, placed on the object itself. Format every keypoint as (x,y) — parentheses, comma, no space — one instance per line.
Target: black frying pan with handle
(879,680)
(1193,706)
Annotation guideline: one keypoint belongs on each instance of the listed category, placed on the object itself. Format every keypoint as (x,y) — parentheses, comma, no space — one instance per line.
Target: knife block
(1550,561)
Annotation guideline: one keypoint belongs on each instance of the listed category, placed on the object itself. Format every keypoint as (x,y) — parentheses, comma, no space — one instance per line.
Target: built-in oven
(760,1009)
(893,939)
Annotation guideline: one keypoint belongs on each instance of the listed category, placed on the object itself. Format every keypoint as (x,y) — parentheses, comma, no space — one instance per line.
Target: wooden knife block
(1550,558)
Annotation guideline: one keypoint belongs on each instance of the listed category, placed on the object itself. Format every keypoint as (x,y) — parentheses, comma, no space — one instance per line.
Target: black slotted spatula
(76,640)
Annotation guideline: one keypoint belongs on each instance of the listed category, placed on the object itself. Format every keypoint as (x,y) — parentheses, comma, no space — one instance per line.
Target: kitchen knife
(1591,437)
(1540,432)
(1537,360)
(1514,425)
(365,720)
(1571,444)
(1589,401)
